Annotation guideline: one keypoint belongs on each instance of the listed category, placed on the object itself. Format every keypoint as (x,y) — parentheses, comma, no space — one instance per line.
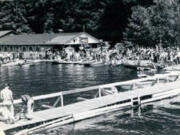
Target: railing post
(157,79)
(62,100)
(139,100)
(132,102)
(99,92)
(133,86)
(167,79)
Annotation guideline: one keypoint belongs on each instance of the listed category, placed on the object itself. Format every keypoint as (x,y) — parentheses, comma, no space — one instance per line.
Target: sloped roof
(62,38)
(38,39)
(3,33)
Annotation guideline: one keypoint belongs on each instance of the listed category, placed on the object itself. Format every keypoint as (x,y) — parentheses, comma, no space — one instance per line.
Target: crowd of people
(110,55)
(163,56)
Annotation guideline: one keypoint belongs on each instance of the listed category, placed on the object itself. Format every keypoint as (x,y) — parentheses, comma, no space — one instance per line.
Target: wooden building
(37,46)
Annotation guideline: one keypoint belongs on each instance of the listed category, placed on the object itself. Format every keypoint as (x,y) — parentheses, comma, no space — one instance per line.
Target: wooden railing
(130,82)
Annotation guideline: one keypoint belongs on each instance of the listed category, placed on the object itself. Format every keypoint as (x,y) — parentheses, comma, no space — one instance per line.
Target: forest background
(136,22)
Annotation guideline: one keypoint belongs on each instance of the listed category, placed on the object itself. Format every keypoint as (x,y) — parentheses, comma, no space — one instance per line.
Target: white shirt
(6,94)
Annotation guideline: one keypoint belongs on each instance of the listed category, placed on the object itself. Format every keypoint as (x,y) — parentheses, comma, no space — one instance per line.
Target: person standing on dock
(6,96)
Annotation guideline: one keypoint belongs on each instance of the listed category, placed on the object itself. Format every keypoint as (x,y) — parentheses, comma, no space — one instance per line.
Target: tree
(12,17)
(148,25)
(164,24)
(103,18)
(138,30)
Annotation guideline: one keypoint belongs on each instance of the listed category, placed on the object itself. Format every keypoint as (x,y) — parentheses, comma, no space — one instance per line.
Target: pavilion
(36,46)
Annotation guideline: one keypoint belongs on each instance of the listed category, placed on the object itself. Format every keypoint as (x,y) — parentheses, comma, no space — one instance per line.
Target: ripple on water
(158,118)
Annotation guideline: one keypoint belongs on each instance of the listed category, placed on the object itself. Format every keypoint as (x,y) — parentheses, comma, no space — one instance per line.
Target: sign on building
(83,40)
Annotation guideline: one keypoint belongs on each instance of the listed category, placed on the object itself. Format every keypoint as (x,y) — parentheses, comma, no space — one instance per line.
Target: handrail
(78,90)
(116,83)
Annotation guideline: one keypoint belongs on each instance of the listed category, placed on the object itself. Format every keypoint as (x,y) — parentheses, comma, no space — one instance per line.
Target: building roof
(4,33)
(41,39)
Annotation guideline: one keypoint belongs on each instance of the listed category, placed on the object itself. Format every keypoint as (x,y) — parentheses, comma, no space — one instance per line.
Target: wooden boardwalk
(95,103)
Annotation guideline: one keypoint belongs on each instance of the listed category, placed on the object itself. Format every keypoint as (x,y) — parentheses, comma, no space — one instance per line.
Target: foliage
(105,19)
(51,15)
(13,17)
(148,25)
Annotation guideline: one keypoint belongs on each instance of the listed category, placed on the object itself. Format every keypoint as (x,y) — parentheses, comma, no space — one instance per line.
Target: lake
(157,118)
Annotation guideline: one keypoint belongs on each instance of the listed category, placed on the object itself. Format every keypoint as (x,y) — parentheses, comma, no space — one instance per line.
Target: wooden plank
(92,104)
(87,105)
(17,101)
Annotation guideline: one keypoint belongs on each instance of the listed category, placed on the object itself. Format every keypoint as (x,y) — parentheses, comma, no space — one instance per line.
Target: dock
(137,95)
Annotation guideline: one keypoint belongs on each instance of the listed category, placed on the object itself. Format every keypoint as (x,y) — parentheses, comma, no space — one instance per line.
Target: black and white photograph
(89,67)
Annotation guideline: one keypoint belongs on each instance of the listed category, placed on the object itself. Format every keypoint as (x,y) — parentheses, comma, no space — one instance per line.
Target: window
(37,49)
(30,48)
(24,49)
(11,48)
(5,49)
(16,48)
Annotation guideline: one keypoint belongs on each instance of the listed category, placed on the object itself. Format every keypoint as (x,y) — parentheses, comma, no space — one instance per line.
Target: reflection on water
(152,119)
(47,78)
(158,118)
